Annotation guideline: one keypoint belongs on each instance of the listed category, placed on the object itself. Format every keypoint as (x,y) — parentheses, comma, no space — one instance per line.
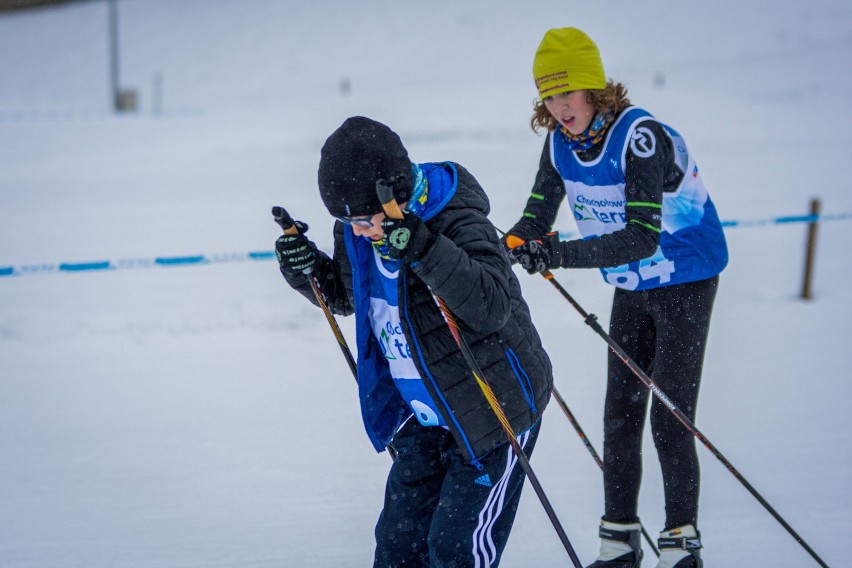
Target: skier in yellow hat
(647,221)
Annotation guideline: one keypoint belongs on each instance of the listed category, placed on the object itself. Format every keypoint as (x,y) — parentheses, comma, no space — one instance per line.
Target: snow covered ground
(202,416)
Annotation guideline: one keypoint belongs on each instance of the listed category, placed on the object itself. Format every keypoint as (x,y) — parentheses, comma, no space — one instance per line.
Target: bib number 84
(656,266)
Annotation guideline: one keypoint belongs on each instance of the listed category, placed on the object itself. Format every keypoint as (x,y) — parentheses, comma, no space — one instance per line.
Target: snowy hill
(161,416)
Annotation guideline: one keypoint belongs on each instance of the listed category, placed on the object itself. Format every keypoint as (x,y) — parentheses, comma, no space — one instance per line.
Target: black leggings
(664,331)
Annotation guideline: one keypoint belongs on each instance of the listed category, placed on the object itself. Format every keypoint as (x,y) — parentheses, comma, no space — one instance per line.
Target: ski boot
(680,548)
(620,546)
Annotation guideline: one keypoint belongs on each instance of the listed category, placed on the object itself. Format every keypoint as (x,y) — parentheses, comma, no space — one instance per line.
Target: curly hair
(612,97)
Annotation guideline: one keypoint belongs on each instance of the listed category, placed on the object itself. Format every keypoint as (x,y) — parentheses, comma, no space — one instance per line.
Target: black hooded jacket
(468,269)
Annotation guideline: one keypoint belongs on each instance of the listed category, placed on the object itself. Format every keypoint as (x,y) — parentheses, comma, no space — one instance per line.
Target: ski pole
(289,227)
(285,221)
(392,210)
(592,321)
(576,424)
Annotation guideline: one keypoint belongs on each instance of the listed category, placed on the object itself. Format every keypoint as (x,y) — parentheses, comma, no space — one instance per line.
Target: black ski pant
(442,512)
(664,331)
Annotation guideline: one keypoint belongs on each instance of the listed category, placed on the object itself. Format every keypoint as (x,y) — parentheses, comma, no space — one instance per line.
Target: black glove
(539,255)
(407,238)
(296,254)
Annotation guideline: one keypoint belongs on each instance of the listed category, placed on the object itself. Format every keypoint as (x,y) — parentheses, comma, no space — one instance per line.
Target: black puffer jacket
(467,268)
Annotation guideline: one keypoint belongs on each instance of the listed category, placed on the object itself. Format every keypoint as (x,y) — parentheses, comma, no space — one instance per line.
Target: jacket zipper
(425,371)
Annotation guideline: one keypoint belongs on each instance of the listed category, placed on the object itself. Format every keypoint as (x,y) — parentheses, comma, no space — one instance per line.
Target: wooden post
(810,251)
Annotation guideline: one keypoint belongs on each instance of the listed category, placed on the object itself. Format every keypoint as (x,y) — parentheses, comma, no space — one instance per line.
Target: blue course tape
(79,266)
(175,260)
(134,263)
(218,258)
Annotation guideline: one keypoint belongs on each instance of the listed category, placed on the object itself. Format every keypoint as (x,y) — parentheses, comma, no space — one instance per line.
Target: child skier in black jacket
(453,489)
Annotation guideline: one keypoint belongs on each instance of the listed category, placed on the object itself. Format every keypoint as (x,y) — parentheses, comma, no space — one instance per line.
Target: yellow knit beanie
(567,60)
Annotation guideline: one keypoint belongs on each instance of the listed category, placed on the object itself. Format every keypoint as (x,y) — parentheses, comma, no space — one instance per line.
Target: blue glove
(408,238)
(295,253)
(539,255)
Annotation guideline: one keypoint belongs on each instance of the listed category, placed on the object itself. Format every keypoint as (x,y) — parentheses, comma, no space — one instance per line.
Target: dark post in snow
(122,100)
(810,250)
(113,52)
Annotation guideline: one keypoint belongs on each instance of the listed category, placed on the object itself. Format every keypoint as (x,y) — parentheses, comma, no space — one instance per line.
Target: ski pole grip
(389,204)
(284,220)
(512,241)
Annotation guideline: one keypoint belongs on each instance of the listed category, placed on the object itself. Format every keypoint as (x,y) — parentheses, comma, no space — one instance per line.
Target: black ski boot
(620,546)
(680,548)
